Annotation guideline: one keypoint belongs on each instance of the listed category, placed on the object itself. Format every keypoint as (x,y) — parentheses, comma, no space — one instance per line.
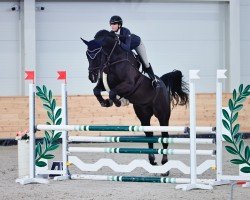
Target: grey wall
(177,36)
(9,50)
(245,41)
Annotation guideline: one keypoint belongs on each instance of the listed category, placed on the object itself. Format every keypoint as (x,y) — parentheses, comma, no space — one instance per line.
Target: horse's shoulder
(134,59)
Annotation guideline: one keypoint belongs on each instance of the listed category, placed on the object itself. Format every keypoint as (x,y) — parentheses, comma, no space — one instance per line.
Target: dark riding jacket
(128,41)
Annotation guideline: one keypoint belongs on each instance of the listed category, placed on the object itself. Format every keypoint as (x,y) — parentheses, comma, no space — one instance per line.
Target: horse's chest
(109,81)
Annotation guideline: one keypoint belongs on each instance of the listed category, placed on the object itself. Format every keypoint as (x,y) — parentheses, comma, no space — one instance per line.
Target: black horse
(124,79)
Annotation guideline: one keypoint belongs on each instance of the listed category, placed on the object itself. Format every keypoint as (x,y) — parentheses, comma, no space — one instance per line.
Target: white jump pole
(65,174)
(222,179)
(32,130)
(65,170)
(32,169)
(193,75)
(41,127)
(219,79)
(64,133)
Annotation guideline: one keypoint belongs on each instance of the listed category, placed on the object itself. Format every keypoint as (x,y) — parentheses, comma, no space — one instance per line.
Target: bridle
(89,52)
(98,50)
(92,56)
(107,63)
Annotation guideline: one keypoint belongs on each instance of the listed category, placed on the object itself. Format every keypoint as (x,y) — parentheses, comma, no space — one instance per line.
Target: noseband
(92,55)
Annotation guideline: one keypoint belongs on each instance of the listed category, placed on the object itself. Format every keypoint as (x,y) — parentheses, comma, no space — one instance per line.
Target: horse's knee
(97,91)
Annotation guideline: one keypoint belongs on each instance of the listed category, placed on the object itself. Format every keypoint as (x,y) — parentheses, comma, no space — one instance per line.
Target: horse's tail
(178,87)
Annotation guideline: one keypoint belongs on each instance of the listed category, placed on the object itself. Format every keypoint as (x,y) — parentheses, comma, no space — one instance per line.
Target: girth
(137,84)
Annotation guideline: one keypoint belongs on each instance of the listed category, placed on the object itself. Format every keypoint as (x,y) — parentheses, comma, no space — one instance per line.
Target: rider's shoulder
(125,30)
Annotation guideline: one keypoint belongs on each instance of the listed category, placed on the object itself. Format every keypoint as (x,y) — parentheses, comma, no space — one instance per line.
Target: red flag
(30,75)
(62,75)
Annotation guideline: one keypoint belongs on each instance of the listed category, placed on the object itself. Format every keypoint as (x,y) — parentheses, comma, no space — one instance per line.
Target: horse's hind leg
(164,122)
(165,145)
(162,112)
(144,113)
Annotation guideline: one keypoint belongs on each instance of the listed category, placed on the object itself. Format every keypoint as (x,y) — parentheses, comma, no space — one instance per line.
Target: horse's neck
(118,54)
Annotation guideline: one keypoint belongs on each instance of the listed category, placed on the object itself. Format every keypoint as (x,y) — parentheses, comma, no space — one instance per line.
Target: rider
(129,42)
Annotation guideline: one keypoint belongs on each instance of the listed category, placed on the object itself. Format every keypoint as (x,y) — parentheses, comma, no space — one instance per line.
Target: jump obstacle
(184,183)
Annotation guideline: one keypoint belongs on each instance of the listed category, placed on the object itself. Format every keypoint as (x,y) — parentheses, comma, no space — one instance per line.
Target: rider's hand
(118,40)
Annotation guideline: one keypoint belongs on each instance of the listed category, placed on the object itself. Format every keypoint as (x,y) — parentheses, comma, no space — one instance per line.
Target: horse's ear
(85,41)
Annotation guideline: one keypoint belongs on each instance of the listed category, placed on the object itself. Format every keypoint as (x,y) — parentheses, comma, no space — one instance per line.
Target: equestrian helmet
(115,20)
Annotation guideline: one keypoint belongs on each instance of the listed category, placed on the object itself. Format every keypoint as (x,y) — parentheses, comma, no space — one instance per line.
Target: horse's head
(97,49)
(94,56)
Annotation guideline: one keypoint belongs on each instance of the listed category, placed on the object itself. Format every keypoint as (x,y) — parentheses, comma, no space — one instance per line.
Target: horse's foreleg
(102,101)
(122,90)
(112,96)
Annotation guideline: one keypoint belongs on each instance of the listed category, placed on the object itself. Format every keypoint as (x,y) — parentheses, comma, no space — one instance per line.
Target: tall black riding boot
(155,81)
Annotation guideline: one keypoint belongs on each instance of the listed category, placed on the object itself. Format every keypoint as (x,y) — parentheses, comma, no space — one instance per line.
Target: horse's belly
(141,97)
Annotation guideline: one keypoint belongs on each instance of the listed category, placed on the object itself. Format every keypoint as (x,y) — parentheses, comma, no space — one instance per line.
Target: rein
(109,56)
(107,63)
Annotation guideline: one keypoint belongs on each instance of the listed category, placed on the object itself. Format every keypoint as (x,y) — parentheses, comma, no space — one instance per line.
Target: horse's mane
(102,34)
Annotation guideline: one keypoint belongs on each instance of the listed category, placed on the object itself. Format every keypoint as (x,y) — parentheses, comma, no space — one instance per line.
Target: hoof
(165,174)
(164,160)
(117,103)
(153,163)
(151,158)
(107,103)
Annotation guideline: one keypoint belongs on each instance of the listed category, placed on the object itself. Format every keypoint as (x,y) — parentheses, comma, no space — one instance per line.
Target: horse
(105,56)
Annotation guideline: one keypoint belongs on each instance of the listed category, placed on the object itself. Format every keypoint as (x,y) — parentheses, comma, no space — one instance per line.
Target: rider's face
(114,27)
